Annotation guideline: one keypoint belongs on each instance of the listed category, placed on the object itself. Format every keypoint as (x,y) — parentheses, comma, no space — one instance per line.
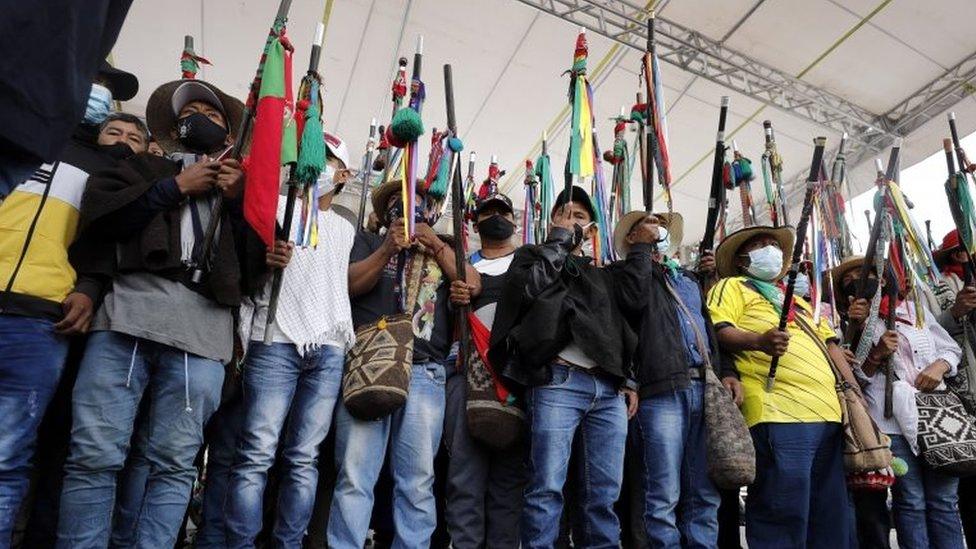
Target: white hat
(194,91)
(337,147)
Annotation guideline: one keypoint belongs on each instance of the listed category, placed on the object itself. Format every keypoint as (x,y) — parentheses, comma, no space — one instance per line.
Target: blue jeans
(221,435)
(279,385)
(925,504)
(799,498)
(183,390)
(676,483)
(575,400)
(132,482)
(31,359)
(413,435)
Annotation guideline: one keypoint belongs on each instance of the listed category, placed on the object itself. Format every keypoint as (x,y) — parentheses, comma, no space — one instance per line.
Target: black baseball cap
(578,195)
(497,198)
(124,85)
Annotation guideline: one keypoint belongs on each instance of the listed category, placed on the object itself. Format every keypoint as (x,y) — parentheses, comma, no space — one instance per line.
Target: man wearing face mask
(799,497)
(156,330)
(54,49)
(298,376)
(559,333)
(676,341)
(43,299)
(412,433)
(484,487)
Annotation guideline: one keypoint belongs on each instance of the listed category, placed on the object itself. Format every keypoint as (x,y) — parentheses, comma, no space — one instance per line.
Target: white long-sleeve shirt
(917,349)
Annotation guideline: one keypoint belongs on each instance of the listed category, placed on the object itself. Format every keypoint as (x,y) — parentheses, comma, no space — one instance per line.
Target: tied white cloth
(313,306)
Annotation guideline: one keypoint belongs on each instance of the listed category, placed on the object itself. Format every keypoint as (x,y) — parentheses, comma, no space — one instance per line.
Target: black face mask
(870,288)
(118,151)
(199,134)
(496,227)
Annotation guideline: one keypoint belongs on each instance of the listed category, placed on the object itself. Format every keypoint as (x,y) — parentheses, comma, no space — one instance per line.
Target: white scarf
(313,306)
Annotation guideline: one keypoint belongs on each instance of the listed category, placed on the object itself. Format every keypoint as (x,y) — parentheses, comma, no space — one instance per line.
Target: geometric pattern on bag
(946,433)
(378,368)
(497,425)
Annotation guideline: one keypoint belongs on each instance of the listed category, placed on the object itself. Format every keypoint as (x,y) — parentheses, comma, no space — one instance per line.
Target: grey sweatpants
(484,488)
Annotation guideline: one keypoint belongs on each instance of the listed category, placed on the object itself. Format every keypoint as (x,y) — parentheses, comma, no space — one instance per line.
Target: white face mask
(588,247)
(663,241)
(802,285)
(765,263)
(326,182)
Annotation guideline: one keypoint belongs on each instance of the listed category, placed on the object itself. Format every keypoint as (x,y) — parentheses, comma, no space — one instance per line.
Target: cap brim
(494,200)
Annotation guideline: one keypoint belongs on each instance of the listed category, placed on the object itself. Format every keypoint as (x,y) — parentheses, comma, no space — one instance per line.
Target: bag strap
(703,349)
(808,330)
(416,268)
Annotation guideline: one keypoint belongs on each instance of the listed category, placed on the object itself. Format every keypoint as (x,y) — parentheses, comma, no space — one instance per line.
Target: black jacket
(661,360)
(137,206)
(550,299)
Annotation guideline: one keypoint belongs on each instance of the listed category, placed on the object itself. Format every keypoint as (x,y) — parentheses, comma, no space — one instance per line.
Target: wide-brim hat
(578,195)
(123,85)
(165,103)
(725,264)
(846,266)
(381,195)
(673,222)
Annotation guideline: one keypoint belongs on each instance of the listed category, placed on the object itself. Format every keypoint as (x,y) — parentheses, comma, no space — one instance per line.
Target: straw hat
(165,103)
(381,196)
(674,223)
(725,263)
(847,265)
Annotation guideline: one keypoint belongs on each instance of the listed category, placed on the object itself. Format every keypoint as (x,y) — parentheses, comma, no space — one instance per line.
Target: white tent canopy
(508,57)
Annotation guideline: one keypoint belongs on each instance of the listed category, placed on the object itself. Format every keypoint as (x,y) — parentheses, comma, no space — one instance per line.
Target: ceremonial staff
(649,118)
(717,197)
(202,263)
(960,201)
(957,192)
(457,213)
(295,183)
(774,162)
(889,385)
(801,229)
(871,250)
(367,174)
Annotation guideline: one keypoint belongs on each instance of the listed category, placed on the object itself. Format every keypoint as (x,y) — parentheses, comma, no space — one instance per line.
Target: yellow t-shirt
(804,390)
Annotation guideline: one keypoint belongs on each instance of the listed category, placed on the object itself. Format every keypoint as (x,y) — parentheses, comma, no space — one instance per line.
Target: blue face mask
(99,105)
(802,285)
(765,263)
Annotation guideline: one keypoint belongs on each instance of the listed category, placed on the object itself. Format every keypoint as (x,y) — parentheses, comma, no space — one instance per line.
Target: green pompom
(438,189)
(899,466)
(455,144)
(407,125)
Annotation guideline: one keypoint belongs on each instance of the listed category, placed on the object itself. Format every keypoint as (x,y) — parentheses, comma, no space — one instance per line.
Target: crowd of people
(135,397)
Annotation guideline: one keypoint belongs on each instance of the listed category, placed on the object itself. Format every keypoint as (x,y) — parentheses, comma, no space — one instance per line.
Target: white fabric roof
(508,58)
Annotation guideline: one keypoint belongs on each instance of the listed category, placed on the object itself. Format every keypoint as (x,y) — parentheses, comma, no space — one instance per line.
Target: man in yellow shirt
(799,498)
